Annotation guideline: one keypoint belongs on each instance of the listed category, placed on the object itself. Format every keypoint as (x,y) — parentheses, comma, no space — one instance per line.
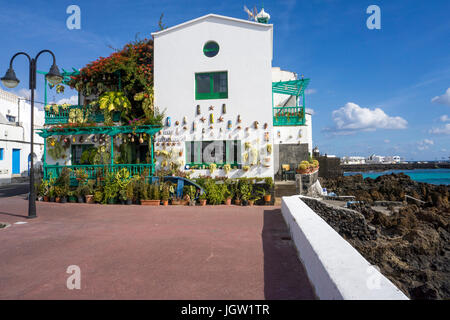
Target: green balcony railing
(98,170)
(61,115)
(288,116)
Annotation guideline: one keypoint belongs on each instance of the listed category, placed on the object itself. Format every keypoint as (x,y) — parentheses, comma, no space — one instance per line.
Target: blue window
(10,118)
(1,153)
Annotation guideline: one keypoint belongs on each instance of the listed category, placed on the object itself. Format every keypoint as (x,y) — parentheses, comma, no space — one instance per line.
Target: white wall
(245,53)
(290,134)
(335,269)
(16,135)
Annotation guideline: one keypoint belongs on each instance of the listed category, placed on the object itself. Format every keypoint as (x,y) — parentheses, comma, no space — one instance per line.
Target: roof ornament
(261,17)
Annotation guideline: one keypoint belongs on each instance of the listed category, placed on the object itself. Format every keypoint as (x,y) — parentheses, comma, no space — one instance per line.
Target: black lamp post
(10,81)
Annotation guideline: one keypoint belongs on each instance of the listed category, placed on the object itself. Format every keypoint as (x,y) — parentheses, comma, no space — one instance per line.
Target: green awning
(292,87)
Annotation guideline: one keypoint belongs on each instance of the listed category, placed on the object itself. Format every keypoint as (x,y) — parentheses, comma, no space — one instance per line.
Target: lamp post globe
(10,80)
(54,76)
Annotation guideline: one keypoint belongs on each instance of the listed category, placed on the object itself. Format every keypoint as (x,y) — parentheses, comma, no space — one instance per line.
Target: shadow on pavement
(284,276)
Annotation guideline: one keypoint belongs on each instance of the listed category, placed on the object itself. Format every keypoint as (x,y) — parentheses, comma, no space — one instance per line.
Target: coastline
(393,166)
(410,221)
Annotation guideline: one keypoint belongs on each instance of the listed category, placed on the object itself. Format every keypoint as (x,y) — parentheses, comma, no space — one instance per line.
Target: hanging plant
(212,167)
(56,149)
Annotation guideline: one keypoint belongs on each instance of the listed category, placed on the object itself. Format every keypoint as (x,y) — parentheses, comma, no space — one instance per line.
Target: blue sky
(372,91)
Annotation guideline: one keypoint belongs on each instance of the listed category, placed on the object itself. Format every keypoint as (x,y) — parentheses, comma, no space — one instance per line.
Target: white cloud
(351,118)
(387,141)
(73,100)
(424,144)
(443,99)
(310,111)
(445,118)
(26,93)
(310,91)
(441,130)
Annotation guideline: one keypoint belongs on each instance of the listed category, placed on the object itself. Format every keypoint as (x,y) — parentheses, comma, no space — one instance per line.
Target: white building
(213,77)
(15,119)
(353,160)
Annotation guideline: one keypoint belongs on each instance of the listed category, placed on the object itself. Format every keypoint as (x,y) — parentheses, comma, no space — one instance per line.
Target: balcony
(62,114)
(288,116)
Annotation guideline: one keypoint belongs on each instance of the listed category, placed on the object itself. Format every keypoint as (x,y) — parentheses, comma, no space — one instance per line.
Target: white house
(15,115)
(223,101)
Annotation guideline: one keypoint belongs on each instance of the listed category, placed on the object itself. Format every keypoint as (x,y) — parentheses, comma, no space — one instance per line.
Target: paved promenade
(140,252)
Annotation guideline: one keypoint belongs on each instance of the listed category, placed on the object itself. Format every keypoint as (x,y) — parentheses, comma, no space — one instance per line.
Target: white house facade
(15,115)
(213,77)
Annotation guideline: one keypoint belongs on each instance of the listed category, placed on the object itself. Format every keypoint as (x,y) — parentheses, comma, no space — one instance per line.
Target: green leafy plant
(111,187)
(113,101)
(165,194)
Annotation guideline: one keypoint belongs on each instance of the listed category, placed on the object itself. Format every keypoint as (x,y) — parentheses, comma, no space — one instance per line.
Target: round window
(210,49)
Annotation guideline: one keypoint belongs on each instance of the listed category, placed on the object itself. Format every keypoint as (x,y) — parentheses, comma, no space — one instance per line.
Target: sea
(432,176)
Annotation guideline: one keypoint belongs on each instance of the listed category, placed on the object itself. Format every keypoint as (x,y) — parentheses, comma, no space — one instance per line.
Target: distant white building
(353,160)
(15,115)
(372,159)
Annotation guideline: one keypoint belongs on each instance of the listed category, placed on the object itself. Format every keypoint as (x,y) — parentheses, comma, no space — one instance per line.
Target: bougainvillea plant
(129,71)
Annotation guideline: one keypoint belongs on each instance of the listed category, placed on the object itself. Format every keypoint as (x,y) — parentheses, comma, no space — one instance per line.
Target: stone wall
(329,167)
(291,154)
(349,223)
(305,183)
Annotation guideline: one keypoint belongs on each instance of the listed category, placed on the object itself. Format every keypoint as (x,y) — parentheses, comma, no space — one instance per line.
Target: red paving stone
(142,252)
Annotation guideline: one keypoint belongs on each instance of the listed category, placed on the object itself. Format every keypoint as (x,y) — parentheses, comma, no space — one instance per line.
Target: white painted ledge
(335,269)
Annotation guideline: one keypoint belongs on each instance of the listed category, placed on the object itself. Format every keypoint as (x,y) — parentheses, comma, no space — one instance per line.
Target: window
(10,118)
(212,85)
(77,151)
(1,153)
(219,152)
(211,49)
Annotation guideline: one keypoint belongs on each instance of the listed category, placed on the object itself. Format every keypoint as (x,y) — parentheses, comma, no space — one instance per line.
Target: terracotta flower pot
(58,199)
(46,198)
(228,201)
(165,202)
(89,198)
(150,202)
(267,198)
(237,202)
(251,202)
(202,202)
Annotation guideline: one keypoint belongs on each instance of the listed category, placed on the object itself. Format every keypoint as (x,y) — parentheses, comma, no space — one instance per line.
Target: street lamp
(10,81)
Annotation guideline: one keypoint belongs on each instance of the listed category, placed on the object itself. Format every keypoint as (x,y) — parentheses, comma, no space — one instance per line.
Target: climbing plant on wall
(128,71)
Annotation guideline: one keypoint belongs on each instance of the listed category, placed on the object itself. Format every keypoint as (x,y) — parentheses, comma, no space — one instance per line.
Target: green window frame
(218,85)
(76,152)
(231,153)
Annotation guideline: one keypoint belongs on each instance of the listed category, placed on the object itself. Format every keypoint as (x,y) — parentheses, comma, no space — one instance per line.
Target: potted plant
(245,190)
(45,190)
(268,185)
(253,199)
(165,195)
(111,189)
(98,196)
(58,193)
(130,193)
(90,192)
(226,193)
(190,192)
(64,191)
(202,199)
(72,196)
(151,197)
(51,193)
